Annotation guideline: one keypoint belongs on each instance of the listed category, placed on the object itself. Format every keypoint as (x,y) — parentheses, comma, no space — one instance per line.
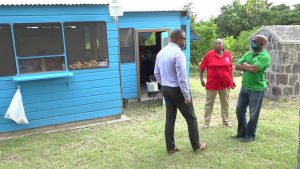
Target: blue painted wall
(89,94)
(143,21)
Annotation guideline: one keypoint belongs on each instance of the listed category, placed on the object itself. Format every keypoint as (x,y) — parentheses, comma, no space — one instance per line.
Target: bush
(194,67)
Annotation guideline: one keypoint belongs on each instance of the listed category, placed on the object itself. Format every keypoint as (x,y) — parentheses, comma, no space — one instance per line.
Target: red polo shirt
(218,70)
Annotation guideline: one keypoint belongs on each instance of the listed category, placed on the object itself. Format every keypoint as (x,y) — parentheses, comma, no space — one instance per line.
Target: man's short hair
(263,38)
(176,33)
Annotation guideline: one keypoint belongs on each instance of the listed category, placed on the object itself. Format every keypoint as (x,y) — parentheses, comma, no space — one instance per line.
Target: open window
(39,47)
(31,50)
(86,44)
(7,59)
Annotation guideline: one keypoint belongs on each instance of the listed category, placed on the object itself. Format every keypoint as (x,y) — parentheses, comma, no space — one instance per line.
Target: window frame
(183,28)
(18,58)
(103,46)
(131,38)
(11,61)
(64,55)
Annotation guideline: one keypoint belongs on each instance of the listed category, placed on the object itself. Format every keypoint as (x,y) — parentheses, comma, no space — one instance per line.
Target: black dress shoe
(237,136)
(174,150)
(247,139)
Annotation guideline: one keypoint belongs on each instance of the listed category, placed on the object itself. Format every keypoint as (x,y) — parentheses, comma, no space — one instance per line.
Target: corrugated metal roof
(152,10)
(128,5)
(152,5)
(54,2)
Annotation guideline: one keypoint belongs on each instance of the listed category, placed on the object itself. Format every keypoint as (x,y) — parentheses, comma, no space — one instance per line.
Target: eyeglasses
(182,38)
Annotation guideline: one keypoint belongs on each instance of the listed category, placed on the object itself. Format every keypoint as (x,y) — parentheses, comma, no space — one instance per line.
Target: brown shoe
(174,150)
(201,148)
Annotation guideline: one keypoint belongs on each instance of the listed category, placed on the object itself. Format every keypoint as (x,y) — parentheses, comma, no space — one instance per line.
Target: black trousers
(174,100)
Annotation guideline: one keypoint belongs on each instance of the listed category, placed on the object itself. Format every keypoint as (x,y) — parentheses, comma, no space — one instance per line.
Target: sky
(207,8)
(203,8)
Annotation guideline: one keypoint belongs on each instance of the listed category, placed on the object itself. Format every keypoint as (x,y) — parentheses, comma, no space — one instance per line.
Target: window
(86,44)
(39,46)
(183,28)
(126,45)
(39,39)
(41,64)
(7,59)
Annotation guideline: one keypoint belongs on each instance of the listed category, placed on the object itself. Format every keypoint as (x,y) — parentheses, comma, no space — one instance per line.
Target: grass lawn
(139,142)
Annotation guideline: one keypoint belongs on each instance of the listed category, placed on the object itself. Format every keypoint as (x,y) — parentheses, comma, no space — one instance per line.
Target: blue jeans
(253,99)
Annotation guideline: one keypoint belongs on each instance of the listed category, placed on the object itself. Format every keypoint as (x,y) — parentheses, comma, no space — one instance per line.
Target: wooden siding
(187,52)
(143,21)
(90,93)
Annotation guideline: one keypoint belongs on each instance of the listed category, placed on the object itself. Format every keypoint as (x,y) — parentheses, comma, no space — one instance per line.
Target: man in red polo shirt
(218,66)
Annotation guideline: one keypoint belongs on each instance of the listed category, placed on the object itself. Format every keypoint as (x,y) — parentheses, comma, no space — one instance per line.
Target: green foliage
(283,15)
(194,67)
(151,39)
(279,14)
(208,32)
(295,13)
(237,17)
(237,46)
(240,45)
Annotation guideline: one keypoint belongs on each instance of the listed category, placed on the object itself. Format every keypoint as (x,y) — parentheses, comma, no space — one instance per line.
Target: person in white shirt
(170,72)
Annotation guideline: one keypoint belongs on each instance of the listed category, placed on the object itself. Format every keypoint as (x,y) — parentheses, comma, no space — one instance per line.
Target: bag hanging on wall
(15,110)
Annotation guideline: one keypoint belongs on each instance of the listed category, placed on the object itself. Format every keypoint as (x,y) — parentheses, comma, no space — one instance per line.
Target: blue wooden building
(143,32)
(65,58)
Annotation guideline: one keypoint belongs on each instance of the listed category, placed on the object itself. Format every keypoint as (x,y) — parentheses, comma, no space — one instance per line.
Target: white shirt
(170,69)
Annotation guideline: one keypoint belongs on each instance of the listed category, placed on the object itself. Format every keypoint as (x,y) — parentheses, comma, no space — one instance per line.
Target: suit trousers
(174,100)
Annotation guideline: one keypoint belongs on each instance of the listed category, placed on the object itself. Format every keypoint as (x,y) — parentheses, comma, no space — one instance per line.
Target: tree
(230,21)
(295,13)
(208,32)
(279,15)
(236,18)
(240,45)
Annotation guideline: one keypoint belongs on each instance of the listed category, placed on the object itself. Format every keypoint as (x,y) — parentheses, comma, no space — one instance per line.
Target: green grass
(139,143)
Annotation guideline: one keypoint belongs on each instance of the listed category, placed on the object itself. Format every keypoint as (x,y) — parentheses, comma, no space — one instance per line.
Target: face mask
(254,46)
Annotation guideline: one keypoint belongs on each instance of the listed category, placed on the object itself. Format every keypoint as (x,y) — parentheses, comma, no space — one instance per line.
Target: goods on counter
(84,65)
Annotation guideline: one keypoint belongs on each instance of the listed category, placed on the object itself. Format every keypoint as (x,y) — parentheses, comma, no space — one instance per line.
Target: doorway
(148,44)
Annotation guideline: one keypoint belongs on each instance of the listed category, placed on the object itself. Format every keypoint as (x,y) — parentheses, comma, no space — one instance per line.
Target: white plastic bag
(15,110)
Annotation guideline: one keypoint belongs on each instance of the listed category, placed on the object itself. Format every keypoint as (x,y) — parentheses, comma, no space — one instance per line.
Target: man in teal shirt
(254,65)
